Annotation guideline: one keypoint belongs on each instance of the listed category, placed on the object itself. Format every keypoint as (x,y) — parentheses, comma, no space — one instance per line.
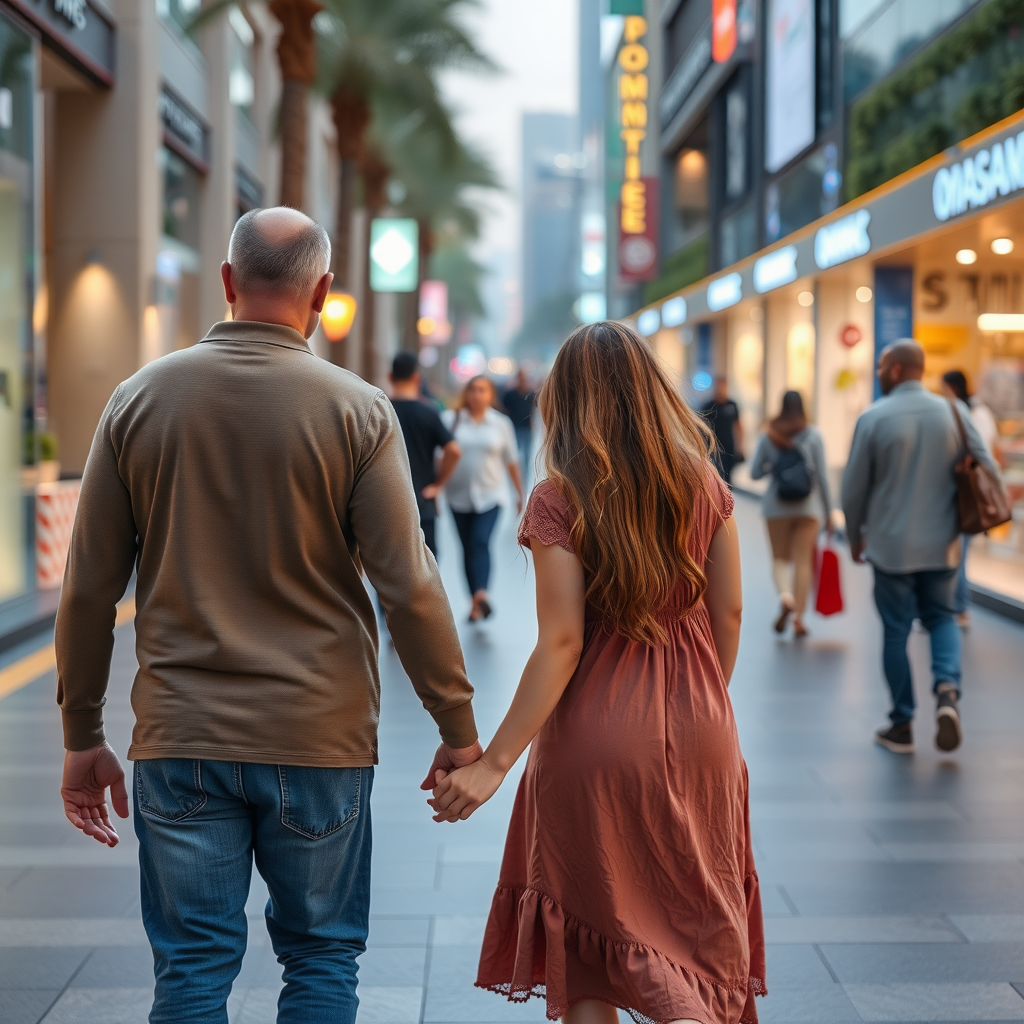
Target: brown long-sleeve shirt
(246,479)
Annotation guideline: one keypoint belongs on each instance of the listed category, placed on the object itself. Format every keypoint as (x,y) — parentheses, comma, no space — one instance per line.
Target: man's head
(405,374)
(901,361)
(721,389)
(277,270)
(522,381)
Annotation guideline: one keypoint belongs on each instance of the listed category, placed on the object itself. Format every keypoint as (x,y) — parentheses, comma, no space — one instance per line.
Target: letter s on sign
(934,288)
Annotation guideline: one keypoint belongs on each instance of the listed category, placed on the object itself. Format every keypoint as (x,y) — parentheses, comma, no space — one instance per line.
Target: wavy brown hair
(630,457)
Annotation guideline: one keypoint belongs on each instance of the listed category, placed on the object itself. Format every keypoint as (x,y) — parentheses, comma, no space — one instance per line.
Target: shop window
(179,14)
(738,235)
(241,77)
(736,135)
(181,200)
(690,192)
(804,193)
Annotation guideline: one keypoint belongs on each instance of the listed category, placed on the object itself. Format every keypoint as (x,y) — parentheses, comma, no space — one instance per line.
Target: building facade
(847,174)
(128,148)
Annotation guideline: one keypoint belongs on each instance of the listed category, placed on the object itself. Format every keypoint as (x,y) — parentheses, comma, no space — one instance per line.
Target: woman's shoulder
(548,517)
(497,416)
(716,498)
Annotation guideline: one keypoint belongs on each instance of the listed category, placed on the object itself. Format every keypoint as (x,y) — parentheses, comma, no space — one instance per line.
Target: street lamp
(339,312)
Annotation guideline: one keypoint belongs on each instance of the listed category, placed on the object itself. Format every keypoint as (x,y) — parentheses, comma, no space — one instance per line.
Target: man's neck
(405,392)
(269,312)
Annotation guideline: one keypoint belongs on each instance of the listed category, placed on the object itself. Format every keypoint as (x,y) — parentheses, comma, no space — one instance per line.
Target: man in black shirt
(722,415)
(424,433)
(519,403)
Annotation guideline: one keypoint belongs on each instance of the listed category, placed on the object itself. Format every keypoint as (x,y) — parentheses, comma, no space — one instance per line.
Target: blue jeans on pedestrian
(962,597)
(927,595)
(475,529)
(201,824)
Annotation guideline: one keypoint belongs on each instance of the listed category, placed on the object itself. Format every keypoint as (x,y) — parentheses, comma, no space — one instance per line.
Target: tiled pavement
(893,887)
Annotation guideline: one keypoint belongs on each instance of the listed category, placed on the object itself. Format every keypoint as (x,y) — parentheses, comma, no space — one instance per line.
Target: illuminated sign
(723,30)
(976,181)
(725,292)
(648,322)
(394,254)
(775,269)
(673,312)
(842,240)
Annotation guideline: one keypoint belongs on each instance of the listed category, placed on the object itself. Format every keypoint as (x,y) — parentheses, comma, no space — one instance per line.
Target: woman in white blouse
(478,489)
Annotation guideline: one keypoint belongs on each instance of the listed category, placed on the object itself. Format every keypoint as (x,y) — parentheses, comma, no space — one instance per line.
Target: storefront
(937,253)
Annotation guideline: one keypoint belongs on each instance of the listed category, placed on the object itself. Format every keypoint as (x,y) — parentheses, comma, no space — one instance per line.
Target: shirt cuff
(83,729)
(457,725)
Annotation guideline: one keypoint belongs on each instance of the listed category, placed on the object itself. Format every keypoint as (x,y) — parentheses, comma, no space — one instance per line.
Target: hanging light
(338,314)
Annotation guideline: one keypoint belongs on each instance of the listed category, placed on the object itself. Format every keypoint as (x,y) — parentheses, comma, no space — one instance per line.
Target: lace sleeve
(547,518)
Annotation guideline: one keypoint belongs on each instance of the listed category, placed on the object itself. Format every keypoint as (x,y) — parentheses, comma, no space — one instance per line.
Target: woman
(792,453)
(628,878)
(954,386)
(478,489)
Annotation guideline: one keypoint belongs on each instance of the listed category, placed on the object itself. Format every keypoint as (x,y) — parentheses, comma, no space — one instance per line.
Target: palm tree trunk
(375,173)
(296,55)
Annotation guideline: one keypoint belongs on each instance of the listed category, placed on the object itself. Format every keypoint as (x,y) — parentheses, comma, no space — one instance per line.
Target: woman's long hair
(630,457)
(791,419)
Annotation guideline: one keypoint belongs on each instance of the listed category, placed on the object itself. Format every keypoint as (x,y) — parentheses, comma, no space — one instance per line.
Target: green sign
(627,7)
(394,254)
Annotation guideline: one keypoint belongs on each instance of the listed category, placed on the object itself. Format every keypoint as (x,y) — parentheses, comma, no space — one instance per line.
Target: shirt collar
(255,331)
(908,385)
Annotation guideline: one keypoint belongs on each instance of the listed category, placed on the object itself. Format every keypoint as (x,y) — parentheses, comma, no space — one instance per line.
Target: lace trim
(757,985)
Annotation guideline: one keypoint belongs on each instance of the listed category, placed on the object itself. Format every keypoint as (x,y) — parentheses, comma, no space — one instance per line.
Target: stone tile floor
(893,887)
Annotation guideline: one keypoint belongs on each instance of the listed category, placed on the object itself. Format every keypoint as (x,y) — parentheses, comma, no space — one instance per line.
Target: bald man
(246,480)
(899,497)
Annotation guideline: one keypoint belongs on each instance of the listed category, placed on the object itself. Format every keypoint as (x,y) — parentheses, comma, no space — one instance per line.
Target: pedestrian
(628,878)
(246,481)
(954,388)
(796,506)
(424,434)
(899,497)
(478,489)
(722,415)
(519,403)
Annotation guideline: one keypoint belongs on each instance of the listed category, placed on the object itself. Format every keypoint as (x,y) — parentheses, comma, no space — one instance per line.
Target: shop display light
(999,322)
(864,293)
(966,256)
(805,298)
(1002,246)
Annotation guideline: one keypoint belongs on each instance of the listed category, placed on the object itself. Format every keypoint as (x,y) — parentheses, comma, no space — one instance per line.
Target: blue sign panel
(894,308)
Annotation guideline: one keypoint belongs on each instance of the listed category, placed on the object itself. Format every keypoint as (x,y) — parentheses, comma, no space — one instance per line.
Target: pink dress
(628,873)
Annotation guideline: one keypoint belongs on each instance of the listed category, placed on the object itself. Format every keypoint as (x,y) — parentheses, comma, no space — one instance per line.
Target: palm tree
(385,49)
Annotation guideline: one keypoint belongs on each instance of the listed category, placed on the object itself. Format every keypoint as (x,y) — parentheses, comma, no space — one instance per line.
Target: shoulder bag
(981,501)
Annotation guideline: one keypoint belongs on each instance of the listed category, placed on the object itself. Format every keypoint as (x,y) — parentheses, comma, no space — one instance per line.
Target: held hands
(459,793)
(87,776)
(448,758)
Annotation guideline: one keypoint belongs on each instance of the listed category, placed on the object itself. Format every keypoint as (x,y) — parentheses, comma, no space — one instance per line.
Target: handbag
(981,501)
(829,600)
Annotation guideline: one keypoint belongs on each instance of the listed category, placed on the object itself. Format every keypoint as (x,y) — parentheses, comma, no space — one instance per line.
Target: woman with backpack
(796,505)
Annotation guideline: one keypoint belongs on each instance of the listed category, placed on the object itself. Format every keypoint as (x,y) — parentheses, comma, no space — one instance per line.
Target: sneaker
(897,738)
(948,732)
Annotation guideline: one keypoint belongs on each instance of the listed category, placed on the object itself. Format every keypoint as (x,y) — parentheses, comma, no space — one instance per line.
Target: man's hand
(459,793)
(87,776)
(430,492)
(857,552)
(448,758)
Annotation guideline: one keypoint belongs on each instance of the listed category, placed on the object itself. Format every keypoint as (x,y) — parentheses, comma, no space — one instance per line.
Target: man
(519,403)
(722,415)
(424,433)
(899,497)
(247,480)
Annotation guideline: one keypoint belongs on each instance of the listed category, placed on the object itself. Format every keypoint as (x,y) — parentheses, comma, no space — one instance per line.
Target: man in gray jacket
(899,498)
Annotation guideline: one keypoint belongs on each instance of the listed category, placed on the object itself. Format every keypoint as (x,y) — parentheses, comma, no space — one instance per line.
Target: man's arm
(450,455)
(385,521)
(100,561)
(856,491)
(738,439)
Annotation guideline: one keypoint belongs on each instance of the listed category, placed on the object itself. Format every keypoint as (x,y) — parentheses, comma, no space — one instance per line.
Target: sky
(535,43)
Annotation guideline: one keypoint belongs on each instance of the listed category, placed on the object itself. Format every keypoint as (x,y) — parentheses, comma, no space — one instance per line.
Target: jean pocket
(317,802)
(170,788)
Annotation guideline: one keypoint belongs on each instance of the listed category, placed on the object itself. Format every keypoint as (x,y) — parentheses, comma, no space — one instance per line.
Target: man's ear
(229,288)
(323,286)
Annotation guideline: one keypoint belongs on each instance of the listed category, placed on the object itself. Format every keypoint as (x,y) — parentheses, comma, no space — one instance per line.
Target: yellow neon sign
(634,88)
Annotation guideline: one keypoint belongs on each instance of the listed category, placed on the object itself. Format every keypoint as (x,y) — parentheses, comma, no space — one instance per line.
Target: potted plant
(49,465)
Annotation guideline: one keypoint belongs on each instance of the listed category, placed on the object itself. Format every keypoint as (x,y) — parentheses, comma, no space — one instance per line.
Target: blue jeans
(928,595)
(200,826)
(962,597)
(475,529)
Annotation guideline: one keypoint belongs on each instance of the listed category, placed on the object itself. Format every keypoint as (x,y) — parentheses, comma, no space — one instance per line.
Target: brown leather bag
(981,501)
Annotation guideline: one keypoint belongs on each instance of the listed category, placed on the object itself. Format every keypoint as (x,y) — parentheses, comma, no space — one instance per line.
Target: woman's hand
(459,793)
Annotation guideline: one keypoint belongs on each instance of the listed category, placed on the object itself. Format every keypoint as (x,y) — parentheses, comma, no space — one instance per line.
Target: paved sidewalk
(894,887)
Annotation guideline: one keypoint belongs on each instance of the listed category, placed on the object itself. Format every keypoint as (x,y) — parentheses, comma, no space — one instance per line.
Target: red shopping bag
(830,590)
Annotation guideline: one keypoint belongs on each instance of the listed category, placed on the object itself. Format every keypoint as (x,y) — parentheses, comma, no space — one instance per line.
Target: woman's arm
(517,482)
(560,612)
(821,469)
(724,594)
(759,463)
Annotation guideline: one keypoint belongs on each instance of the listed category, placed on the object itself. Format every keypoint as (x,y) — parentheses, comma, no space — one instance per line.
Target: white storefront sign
(673,312)
(775,269)
(842,240)
(725,292)
(977,180)
(790,81)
